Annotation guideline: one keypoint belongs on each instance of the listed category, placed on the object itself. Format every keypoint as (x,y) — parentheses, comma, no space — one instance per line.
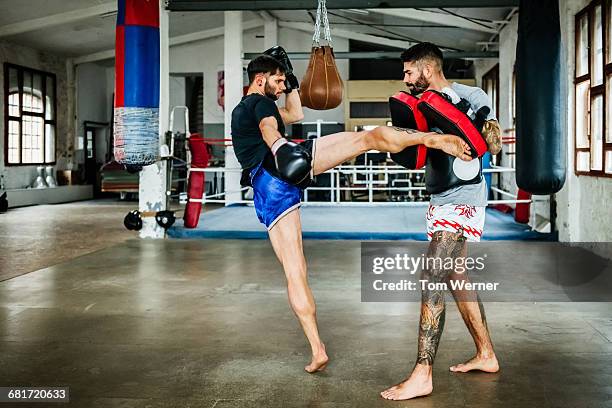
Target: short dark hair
(264,64)
(423,51)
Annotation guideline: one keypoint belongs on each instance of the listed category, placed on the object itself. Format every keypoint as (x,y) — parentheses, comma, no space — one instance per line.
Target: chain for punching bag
(321,86)
(321,16)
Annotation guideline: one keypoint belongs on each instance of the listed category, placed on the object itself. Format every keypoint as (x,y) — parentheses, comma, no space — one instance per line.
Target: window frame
(7,119)
(593,91)
(493,75)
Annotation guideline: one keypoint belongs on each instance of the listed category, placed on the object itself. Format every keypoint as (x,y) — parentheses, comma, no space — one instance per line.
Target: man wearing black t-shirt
(279,169)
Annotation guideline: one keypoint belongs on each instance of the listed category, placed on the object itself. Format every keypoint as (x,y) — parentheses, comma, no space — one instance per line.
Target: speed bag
(321,87)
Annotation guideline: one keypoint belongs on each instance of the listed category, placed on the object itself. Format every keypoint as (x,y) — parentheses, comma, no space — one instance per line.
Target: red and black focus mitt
(453,119)
(404,114)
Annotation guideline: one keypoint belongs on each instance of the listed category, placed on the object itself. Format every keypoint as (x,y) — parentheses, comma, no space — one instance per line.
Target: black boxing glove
(293,161)
(478,118)
(481,117)
(291,83)
(279,53)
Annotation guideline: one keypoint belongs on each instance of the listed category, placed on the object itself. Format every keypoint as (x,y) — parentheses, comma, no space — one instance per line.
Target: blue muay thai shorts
(273,197)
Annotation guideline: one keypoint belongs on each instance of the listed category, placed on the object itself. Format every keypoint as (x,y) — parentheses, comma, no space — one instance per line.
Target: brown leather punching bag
(321,86)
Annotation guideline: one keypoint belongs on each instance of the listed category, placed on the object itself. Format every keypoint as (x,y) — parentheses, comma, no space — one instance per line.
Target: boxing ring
(363,179)
(360,202)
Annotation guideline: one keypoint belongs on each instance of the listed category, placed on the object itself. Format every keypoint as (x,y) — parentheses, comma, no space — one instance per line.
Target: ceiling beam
(221,5)
(383,55)
(178,40)
(436,17)
(353,35)
(266,16)
(211,33)
(57,19)
(96,56)
(485,47)
(369,38)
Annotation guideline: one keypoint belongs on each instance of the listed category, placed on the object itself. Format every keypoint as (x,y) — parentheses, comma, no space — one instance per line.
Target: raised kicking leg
(443,245)
(472,311)
(335,149)
(286,239)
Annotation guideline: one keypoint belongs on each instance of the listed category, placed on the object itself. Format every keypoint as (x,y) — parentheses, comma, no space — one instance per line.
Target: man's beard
(419,86)
(270,93)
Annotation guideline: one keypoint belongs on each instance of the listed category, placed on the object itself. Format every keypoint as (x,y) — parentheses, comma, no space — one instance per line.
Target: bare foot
(480,363)
(417,385)
(319,361)
(450,144)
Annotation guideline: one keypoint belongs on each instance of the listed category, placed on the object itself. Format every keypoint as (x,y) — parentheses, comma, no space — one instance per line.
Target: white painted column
(152,188)
(232,42)
(270,30)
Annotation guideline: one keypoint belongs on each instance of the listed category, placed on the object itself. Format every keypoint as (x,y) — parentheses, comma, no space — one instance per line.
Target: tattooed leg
(394,139)
(449,144)
(337,148)
(472,311)
(443,245)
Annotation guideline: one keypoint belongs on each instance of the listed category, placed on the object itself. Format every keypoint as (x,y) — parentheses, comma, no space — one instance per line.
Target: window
(30,114)
(509,135)
(593,86)
(369,110)
(89,144)
(490,84)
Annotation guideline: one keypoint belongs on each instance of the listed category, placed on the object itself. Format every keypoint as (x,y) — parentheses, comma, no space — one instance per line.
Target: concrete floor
(35,237)
(206,324)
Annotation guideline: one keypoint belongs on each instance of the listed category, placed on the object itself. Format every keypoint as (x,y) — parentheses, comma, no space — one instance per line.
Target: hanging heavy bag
(321,87)
(540,89)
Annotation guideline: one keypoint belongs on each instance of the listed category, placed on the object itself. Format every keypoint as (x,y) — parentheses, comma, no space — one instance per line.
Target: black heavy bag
(540,144)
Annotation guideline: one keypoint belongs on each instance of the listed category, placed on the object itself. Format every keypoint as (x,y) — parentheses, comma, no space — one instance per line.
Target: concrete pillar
(270,31)
(232,62)
(152,188)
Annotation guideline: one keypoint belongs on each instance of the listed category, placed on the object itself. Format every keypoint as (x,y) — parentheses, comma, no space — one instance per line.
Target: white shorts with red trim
(456,218)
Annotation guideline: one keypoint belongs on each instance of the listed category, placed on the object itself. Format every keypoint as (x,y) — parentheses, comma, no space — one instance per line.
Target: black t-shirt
(249,145)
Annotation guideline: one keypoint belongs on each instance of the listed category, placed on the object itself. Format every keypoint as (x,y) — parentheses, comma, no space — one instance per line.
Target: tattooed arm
(492,134)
